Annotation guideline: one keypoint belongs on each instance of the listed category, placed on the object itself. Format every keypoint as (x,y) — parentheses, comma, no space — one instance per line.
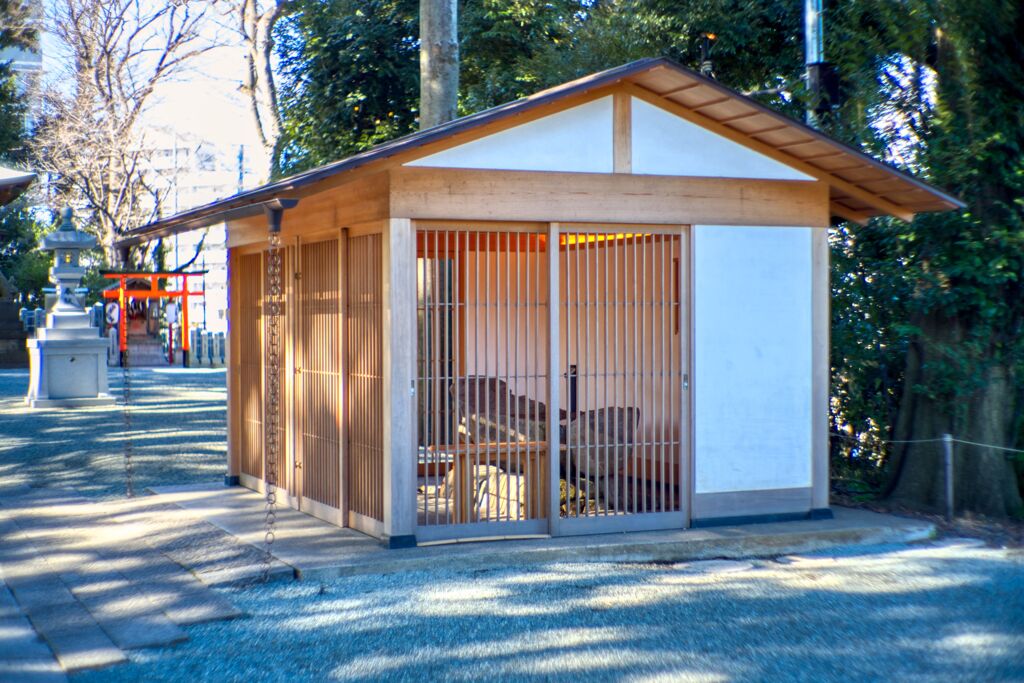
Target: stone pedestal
(68,361)
(67,358)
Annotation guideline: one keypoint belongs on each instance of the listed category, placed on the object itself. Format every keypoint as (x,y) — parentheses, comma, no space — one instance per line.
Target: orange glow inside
(590,239)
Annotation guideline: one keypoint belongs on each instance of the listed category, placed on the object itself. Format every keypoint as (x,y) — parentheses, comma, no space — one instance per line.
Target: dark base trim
(760,519)
(232,480)
(821,513)
(399,542)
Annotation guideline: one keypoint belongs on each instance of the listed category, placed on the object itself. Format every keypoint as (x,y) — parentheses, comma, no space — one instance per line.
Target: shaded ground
(928,613)
(178,417)
(996,532)
(923,613)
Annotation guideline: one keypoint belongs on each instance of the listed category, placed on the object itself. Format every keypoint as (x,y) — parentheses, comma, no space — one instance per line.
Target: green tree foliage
(349,78)
(513,49)
(937,86)
(21,261)
(349,68)
(926,317)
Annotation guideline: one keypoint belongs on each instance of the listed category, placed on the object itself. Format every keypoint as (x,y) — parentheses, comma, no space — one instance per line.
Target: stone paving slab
(75,637)
(31,671)
(124,611)
(318,550)
(72,633)
(77,532)
(19,641)
(91,585)
(24,656)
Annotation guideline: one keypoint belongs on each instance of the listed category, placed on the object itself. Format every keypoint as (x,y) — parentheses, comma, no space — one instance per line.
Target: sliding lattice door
(622,350)
(482,383)
(318,406)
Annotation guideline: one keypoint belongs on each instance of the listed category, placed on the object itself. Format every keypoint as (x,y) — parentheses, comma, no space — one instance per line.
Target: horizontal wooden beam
(461,194)
(837,209)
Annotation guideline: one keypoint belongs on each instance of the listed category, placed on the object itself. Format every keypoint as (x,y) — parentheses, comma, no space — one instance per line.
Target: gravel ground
(907,613)
(178,417)
(937,612)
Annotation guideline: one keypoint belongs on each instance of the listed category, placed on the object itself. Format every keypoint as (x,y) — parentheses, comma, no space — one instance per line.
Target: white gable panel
(753,406)
(665,144)
(577,140)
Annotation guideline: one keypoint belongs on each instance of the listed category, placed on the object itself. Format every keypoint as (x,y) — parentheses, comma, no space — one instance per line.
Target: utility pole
(813,57)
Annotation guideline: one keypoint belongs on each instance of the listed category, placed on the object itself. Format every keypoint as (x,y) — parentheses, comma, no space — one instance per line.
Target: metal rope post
(947,447)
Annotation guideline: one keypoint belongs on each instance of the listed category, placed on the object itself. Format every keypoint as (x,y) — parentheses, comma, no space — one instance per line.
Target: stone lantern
(67,357)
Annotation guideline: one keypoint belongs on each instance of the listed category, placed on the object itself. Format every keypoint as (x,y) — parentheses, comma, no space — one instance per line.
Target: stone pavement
(93,579)
(316,550)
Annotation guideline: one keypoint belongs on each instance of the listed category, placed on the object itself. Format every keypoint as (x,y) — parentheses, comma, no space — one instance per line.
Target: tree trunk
(258,81)
(984,480)
(439,62)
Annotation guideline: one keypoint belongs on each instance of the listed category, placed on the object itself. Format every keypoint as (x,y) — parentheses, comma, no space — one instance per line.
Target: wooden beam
(466,194)
(332,207)
(622,135)
(768,150)
(837,209)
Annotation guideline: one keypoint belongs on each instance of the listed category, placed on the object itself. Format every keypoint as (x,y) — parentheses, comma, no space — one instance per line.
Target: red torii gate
(123,294)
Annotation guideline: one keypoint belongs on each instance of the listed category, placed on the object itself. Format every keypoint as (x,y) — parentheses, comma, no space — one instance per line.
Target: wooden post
(399,339)
(947,447)
(232,356)
(554,372)
(820,325)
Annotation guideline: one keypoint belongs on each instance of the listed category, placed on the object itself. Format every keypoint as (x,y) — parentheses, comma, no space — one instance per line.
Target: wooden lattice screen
(366,379)
(318,408)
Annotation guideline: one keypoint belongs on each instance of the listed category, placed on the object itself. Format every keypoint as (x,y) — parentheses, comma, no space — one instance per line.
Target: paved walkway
(94,580)
(317,550)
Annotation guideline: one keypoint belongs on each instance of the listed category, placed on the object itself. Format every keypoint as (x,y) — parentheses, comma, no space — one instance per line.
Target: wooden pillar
(554,379)
(399,338)
(820,373)
(233,373)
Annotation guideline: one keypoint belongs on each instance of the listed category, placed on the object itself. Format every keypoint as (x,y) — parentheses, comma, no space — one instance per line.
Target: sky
(202,102)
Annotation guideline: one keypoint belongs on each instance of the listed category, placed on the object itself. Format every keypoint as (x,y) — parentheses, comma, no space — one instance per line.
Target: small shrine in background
(67,357)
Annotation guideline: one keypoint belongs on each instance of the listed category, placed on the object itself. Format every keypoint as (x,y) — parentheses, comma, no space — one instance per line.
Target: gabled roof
(860,186)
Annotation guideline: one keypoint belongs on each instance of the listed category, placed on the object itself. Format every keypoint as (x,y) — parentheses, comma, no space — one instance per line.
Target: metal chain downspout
(126,389)
(273,397)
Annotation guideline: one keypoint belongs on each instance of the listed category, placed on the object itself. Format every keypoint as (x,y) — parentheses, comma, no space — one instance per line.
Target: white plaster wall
(575,140)
(665,144)
(752,358)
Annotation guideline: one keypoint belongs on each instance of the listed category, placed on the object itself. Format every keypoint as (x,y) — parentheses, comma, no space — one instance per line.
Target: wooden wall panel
(365,380)
(248,330)
(318,400)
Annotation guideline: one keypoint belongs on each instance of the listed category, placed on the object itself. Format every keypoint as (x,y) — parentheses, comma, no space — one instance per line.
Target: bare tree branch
(88,141)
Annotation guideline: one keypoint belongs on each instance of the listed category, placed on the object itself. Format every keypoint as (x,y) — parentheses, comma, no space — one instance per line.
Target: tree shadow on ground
(178,430)
(934,615)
